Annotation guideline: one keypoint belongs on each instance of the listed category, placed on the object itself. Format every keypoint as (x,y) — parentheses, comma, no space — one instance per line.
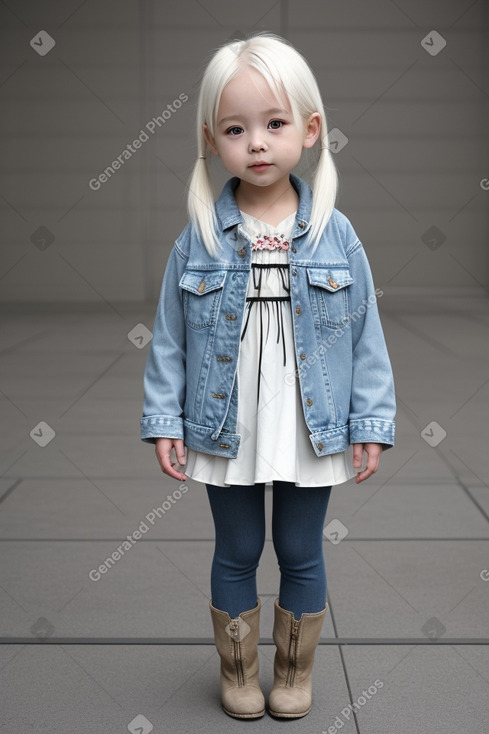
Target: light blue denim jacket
(341,359)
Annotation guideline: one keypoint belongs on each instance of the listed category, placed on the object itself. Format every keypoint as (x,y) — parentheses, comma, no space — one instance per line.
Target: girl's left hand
(374,450)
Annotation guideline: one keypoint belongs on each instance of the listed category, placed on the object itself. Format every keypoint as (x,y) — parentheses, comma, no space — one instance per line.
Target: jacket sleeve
(373,401)
(164,376)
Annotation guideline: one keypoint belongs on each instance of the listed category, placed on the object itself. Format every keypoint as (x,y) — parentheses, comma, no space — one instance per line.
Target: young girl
(268,360)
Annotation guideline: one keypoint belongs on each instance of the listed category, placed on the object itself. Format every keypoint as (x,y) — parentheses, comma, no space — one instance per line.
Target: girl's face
(252,126)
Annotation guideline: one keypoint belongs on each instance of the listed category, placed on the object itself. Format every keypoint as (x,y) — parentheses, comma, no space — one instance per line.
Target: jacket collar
(229,214)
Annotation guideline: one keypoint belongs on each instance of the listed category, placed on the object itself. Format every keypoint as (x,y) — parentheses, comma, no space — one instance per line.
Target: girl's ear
(313,129)
(209,139)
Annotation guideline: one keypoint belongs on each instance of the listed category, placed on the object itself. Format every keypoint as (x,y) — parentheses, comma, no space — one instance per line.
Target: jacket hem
(198,437)
(324,442)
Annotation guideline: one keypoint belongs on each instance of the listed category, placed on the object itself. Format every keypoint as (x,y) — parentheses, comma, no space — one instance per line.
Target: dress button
(309,401)
(242,251)
(298,310)
(303,356)
(320,446)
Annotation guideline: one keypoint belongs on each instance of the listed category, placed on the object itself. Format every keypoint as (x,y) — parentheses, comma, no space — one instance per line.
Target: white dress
(275,441)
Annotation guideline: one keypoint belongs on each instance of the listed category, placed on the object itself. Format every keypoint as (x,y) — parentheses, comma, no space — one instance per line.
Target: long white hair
(287,73)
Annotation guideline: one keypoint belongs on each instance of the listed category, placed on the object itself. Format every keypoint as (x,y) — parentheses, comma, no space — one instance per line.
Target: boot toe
(289,702)
(244,703)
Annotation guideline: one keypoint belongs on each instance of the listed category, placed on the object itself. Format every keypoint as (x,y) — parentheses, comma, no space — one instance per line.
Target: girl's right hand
(163,448)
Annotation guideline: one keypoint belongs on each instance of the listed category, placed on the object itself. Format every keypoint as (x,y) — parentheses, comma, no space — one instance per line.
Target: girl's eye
(236,130)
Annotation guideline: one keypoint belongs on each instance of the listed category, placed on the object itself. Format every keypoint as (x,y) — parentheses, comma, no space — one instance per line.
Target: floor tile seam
(465,488)
(11,489)
(456,477)
(204,641)
(423,337)
(470,314)
(472,539)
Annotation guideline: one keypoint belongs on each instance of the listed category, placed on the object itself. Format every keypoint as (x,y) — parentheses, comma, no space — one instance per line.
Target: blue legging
(297,530)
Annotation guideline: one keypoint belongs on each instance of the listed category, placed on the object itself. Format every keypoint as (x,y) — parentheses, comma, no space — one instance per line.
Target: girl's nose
(257,144)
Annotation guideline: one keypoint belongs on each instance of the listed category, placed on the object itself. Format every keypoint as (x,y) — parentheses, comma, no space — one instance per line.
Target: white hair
(287,73)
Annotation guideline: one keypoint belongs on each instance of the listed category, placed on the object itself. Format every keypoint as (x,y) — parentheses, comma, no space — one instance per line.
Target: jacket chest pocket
(329,295)
(202,293)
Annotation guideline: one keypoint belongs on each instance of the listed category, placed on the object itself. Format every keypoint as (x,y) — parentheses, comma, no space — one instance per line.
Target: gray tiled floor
(81,655)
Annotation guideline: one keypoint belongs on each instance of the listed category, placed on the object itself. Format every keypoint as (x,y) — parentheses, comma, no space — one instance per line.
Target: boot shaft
(237,645)
(296,642)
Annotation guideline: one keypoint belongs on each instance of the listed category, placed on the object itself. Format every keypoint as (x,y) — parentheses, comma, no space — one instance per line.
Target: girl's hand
(374,451)
(163,448)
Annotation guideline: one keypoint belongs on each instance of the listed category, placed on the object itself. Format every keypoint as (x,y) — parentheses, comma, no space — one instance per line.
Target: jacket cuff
(373,430)
(160,426)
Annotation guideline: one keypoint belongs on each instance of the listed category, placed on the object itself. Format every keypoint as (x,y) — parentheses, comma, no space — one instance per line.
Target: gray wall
(416,123)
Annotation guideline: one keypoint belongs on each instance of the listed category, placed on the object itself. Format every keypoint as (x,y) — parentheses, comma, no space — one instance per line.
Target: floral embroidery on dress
(265,242)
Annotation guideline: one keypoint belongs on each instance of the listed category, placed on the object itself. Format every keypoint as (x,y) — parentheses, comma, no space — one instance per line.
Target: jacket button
(224,359)
(320,446)
(224,445)
(217,395)
(201,286)
(242,251)
(293,249)
(298,310)
(231,316)
(332,282)
(309,401)
(303,356)
(302,225)
(294,272)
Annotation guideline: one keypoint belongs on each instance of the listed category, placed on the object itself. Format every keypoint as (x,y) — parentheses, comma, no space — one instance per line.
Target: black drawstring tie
(268,301)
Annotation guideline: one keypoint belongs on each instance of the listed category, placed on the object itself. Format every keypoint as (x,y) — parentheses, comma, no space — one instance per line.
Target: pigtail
(200,200)
(324,189)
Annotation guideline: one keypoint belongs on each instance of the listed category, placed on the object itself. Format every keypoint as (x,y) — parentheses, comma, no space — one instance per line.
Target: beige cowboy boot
(237,644)
(296,642)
